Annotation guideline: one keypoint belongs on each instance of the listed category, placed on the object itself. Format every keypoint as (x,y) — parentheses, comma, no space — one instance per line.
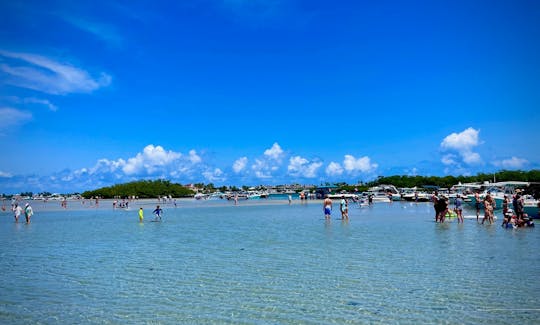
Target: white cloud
(449,159)
(334,169)
(261,169)
(240,164)
(45,102)
(512,163)
(363,164)
(12,118)
(152,159)
(215,175)
(465,140)
(299,166)
(269,163)
(102,31)
(105,166)
(463,143)
(5,175)
(39,73)
(275,153)
(193,157)
(470,157)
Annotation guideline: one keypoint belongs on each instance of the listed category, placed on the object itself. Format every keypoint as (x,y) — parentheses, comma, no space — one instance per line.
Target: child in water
(158,212)
(141,215)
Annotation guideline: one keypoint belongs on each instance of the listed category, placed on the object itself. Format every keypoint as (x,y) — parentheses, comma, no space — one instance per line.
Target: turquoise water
(265,262)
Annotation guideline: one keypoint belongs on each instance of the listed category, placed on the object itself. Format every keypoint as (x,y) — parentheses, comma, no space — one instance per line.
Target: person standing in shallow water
(28,212)
(141,215)
(477,204)
(158,212)
(435,200)
(17,210)
(458,208)
(344,207)
(327,208)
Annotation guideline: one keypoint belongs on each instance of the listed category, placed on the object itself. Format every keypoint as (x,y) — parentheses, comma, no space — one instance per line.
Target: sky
(264,92)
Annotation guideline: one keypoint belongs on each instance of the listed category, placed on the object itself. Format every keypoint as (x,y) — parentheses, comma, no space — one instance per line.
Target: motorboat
(499,190)
(381,191)
(413,195)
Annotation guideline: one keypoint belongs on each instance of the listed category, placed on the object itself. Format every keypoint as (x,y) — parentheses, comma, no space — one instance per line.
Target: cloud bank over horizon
(274,166)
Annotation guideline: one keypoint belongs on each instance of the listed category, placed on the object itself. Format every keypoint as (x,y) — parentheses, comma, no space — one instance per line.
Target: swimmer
(141,215)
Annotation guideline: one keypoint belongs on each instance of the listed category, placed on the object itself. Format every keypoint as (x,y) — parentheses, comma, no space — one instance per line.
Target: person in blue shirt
(158,211)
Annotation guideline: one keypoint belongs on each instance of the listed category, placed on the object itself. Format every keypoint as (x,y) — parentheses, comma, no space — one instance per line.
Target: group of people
(515,217)
(18,211)
(343,207)
(441,205)
(158,211)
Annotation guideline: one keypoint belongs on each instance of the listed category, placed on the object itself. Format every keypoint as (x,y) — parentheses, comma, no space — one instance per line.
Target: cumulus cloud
(42,74)
(275,153)
(363,164)
(12,118)
(512,163)
(465,140)
(193,157)
(215,175)
(262,169)
(150,160)
(462,143)
(265,166)
(299,166)
(240,164)
(334,169)
(449,159)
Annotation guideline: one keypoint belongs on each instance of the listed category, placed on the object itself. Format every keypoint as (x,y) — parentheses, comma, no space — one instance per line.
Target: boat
(348,196)
(380,192)
(377,197)
(497,191)
(413,195)
(531,207)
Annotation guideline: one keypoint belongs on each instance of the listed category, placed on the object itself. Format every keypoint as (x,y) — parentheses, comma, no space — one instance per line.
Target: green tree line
(449,181)
(141,189)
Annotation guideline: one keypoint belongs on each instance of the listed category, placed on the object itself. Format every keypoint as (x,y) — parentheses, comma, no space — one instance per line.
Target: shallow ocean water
(265,262)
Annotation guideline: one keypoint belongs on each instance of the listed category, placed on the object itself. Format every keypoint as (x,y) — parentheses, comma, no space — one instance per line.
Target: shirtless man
(327,208)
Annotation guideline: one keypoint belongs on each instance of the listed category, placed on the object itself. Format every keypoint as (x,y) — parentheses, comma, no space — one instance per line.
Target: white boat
(348,196)
(378,197)
(413,195)
(199,196)
(497,191)
(380,192)
(531,207)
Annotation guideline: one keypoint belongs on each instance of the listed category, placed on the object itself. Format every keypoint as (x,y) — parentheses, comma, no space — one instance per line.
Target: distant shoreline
(146,204)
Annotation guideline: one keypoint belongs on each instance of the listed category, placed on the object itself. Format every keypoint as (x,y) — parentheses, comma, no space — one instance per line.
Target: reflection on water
(212,262)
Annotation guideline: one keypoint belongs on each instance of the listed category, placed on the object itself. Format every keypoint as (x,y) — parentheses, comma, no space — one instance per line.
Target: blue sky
(238,92)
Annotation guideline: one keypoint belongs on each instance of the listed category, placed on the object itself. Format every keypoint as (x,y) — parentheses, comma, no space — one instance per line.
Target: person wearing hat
(28,212)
